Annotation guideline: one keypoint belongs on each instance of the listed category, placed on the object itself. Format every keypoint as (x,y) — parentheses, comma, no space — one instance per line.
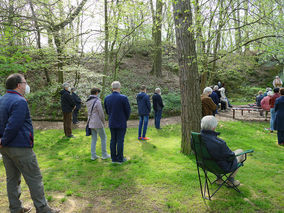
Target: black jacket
(219,151)
(67,102)
(157,102)
(77,100)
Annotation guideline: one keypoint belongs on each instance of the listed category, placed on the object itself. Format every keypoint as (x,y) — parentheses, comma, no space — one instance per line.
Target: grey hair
(207,90)
(216,87)
(270,93)
(157,90)
(209,122)
(115,85)
(65,85)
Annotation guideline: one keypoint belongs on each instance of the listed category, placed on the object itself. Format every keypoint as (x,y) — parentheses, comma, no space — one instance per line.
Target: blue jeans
(158,116)
(272,118)
(102,134)
(117,143)
(145,119)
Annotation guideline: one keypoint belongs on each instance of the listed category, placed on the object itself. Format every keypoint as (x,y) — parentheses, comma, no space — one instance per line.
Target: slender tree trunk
(218,37)
(247,47)
(59,49)
(39,40)
(157,64)
(106,59)
(189,79)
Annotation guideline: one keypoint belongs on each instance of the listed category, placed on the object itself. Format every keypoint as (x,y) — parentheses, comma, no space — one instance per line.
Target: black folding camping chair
(205,162)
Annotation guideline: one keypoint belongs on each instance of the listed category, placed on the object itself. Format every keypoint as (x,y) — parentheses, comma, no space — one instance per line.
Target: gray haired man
(16,143)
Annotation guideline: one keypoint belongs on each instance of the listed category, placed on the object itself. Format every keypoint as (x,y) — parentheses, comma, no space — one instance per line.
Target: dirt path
(222,116)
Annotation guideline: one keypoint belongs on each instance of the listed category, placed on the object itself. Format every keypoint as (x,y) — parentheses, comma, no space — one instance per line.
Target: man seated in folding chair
(219,151)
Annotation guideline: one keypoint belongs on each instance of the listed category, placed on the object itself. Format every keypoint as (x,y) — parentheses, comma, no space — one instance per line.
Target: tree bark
(189,79)
(48,81)
(106,59)
(157,63)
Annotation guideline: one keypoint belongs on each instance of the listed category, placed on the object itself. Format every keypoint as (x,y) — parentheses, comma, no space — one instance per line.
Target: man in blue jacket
(219,150)
(16,143)
(67,106)
(118,109)
(78,102)
(144,109)
(158,107)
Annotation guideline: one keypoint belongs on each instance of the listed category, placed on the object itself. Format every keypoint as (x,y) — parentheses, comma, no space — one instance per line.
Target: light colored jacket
(223,96)
(97,118)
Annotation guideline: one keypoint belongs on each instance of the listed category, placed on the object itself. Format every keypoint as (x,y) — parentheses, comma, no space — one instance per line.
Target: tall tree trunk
(157,63)
(247,47)
(106,60)
(48,81)
(189,79)
(218,37)
(59,50)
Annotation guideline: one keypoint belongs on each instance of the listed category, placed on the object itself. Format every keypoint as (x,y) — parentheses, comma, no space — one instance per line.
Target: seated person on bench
(219,150)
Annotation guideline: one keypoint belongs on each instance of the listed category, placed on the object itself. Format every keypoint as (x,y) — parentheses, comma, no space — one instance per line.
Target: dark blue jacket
(219,151)
(214,96)
(157,102)
(67,102)
(144,105)
(16,128)
(77,100)
(279,114)
(258,100)
(118,109)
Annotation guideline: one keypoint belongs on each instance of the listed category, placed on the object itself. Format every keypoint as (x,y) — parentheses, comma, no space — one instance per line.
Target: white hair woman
(219,150)
(208,106)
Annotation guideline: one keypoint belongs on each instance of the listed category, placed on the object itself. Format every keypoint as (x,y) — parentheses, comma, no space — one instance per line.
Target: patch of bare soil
(222,116)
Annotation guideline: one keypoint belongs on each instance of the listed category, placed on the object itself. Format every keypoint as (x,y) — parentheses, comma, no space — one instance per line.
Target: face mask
(28,89)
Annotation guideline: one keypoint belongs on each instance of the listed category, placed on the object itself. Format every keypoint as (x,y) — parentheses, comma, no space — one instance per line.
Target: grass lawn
(157,178)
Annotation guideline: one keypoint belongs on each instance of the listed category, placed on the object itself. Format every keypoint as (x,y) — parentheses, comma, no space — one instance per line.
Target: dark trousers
(23,161)
(158,116)
(280,135)
(117,143)
(75,116)
(67,116)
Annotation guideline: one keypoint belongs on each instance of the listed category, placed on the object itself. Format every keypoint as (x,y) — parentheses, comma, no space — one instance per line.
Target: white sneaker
(95,158)
(106,157)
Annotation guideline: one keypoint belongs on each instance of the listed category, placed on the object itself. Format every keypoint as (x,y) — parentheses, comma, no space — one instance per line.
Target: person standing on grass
(96,120)
(78,102)
(158,107)
(67,106)
(279,117)
(118,109)
(208,106)
(272,110)
(144,109)
(16,147)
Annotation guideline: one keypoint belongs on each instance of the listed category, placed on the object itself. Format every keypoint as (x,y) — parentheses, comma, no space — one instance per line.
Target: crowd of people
(17,137)
(214,99)
(273,101)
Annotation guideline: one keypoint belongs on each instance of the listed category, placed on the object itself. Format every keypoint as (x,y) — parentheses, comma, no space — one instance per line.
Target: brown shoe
(233,183)
(25,210)
(219,182)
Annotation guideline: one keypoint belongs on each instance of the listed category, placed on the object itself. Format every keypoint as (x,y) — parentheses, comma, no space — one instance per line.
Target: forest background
(179,46)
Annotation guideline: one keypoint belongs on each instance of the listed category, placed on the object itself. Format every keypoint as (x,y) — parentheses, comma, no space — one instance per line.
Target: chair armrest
(245,152)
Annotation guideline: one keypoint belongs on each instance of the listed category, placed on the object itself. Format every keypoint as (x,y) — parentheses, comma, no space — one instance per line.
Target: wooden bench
(242,109)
